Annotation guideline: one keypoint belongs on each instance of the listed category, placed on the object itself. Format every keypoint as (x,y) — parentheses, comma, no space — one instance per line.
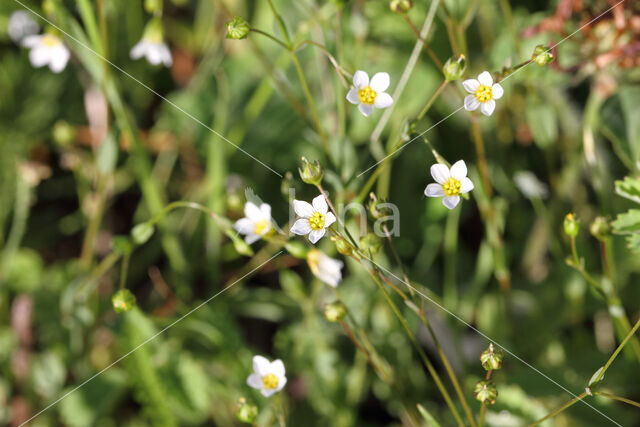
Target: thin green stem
(95,219)
(124,270)
(480,152)
(425,45)
(18,224)
(560,409)
(433,98)
(617,351)
(283,28)
(280,42)
(483,408)
(619,398)
(310,101)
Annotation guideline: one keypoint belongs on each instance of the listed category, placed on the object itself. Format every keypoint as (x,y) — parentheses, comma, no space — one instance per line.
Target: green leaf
(141,233)
(592,380)
(543,122)
(629,188)
(628,222)
(431,422)
(619,118)
(633,242)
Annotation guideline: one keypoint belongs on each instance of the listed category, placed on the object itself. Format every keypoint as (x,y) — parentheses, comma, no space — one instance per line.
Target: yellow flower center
(50,41)
(367,95)
(452,187)
(316,221)
(261,227)
(270,381)
(484,93)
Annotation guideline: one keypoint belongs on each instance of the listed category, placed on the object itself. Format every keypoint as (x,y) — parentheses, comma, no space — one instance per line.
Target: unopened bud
(123,301)
(335,312)
(237,28)
(400,6)
(542,55)
(571,225)
(491,358)
(63,133)
(600,228)
(377,209)
(246,413)
(311,173)
(370,243)
(486,392)
(455,68)
(342,245)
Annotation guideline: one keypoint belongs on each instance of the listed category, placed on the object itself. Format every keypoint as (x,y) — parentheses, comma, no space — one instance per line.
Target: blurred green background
(66,195)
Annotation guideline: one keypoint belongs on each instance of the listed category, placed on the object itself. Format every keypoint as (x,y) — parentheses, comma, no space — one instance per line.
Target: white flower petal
(277,367)
(39,56)
(487,107)
(485,78)
(138,50)
(31,41)
(459,170)
(329,219)
(451,201)
(360,79)
(466,185)
(302,208)
(471,85)
(353,96)
(166,57)
(267,392)
(252,212)
(301,227)
(434,190)
(59,59)
(316,235)
(250,239)
(244,226)
(282,381)
(154,54)
(497,91)
(320,204)
(255,381)
(471,103)
(265,209)
(383,100)
(440,173)
(261,365)
(380,82)
(365,109)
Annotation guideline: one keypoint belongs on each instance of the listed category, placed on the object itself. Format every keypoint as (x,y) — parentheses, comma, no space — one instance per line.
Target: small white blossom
(155,51)
(21,25)
(325,268)
(367,94)
(530,186)
(48,50)
(450,183)
(314,218)
(268,377)
(256,223)
(484,93)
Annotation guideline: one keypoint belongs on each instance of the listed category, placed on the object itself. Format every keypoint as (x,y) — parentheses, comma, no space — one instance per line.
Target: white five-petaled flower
(369,94)
(156,52)
(47,49)
(450,183)
(256,223)
(314,218)
(483,94)
(268,377)
(325,268)
(21,25)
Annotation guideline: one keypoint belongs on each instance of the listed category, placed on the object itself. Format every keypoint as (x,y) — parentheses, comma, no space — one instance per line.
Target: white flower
(256,223)
(368,95)
(314,219)
(268,377)
(325,268)
(450,183)
(47,49)
(154,50)
(484,91)
(21,25)
(530,185)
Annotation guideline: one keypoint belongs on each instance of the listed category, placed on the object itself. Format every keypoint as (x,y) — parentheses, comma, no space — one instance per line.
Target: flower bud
(343,247)
(542,55)
(153,6)
(571,225)
(63,133)
(486,392)
(237,28)
(454,69)
(123,301)
(491,358)
(335,312)
(400,6)
(370,243)
(377,208)
(311,173)
(600,228)
(246,413)
(141,233)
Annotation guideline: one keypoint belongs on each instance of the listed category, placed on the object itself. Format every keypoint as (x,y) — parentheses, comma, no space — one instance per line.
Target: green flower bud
(246,413)
(342,245)
(335,312)
(571,225)
(141,233)
(237,28)
(376,210)
(491,358)
(123,301)
(486,392)
(370,243)
(600,228)
(153,6)
(311,173)
(63,133)
(454,69)
(400,6)
(542,55)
